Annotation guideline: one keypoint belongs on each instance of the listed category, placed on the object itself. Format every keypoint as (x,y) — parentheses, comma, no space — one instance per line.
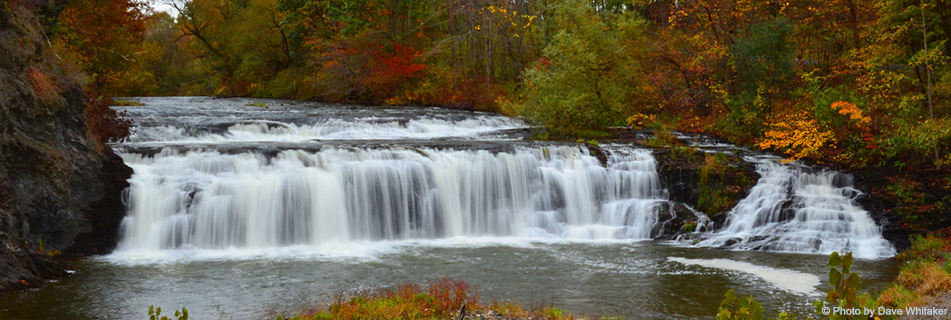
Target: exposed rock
(675,219)
(711,183)
(61,190)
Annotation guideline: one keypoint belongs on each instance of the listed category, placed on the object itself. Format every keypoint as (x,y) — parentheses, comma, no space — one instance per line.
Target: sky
(161,5)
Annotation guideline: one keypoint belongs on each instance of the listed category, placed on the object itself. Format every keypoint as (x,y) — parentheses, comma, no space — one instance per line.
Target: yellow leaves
(638,120)
(529,18)
(851,110)
(502,17)
(798,135)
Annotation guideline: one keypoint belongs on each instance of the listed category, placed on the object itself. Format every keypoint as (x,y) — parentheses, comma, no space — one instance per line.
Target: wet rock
(596,151)
(675,219)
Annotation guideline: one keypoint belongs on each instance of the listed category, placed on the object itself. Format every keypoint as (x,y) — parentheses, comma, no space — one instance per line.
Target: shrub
(104,123)
(442,299)
(156,314)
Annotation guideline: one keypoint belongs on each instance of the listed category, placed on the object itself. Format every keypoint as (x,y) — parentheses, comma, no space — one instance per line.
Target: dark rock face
(884,208)
(711,183)
(59,189)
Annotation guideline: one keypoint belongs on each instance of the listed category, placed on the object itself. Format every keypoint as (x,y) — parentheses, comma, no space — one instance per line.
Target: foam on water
(791,280)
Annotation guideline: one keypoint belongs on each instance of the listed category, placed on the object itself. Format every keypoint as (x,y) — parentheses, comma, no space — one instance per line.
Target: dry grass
(925,274)
(925,277)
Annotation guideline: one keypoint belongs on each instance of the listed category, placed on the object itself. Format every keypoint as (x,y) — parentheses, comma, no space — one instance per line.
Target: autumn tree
(104,38)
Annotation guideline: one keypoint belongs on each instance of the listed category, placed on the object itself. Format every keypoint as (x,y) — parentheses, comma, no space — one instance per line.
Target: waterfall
(214,174)
(208,200)
(792,210)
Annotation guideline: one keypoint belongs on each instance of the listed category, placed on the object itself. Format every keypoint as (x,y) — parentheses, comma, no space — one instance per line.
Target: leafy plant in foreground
(156,314)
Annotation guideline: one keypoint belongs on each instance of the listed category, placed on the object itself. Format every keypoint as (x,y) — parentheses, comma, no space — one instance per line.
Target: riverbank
(440,299)
(925,276)
(60,185)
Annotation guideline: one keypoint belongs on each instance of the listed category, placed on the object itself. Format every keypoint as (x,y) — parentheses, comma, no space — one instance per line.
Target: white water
(330,129)
(253,179)
(792,210)
(210,200)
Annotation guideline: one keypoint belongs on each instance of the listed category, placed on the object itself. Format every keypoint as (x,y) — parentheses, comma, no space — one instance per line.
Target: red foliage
(449,294)
(392,70)
(402,62)
(542,63)
(441,300)
(104,123)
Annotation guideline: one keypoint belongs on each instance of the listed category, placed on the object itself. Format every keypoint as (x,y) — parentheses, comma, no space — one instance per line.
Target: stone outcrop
(709,182)
(60,191)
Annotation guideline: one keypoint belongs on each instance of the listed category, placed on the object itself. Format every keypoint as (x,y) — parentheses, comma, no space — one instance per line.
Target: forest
(855,83)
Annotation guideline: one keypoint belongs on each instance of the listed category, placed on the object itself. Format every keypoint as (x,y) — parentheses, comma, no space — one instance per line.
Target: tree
(104,38)
(589,77)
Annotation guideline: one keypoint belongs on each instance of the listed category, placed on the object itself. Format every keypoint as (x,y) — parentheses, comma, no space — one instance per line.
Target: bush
(926,272)
(104,123)
(441,300)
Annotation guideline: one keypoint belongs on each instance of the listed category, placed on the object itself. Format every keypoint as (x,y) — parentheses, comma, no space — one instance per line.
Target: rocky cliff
(60,191)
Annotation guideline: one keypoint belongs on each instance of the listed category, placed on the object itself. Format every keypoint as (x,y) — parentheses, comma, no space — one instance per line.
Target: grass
(926,272)
(440,299)
(126,103)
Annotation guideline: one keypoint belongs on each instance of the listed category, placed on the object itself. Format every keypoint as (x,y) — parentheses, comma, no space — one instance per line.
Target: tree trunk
(924,29)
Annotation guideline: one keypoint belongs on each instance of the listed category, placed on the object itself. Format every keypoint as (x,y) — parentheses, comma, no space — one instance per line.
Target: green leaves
(589,77)
(834,260)
(742,308)
(156,314)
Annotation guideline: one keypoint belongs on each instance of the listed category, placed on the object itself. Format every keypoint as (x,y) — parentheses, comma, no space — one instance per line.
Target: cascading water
(193,197)
(212,176)
(790,209)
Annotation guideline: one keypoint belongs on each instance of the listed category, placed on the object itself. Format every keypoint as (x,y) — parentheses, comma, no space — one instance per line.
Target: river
(258,206)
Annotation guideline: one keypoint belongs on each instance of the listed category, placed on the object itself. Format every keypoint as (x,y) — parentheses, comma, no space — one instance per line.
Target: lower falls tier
(210,200)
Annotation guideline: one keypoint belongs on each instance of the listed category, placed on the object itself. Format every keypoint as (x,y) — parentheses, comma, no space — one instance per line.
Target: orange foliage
(852,111)
(103,37)
(797,134)
(42,86)
(860,120)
